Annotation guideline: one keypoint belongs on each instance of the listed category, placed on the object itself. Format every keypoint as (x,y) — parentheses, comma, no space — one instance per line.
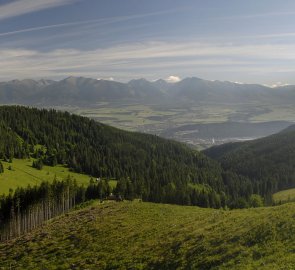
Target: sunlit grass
(156,236)
(284,196)
(23,174)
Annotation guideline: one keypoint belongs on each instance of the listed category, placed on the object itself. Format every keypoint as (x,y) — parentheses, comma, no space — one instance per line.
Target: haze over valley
(193,110)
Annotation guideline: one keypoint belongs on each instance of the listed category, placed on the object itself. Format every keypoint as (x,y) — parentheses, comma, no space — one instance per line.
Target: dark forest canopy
(145,166)
(28,208)
(269,162)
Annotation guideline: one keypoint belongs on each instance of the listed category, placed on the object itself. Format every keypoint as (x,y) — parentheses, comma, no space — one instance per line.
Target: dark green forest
(150,167)
(150,163)
(145,166)
(268,162)
(28,208)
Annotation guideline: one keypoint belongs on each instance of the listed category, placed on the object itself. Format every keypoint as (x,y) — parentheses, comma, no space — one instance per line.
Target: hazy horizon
(171,80)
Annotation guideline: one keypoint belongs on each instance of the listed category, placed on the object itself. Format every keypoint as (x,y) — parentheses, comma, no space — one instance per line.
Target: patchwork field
(136,116)
(276,113)
(163,119)
(139,117)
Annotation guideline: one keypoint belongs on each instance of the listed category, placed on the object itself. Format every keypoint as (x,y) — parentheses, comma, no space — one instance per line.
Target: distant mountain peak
(76,90)
(160,81)
(140,80)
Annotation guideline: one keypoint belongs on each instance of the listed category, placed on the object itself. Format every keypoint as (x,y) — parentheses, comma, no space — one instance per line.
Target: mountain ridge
(81,90)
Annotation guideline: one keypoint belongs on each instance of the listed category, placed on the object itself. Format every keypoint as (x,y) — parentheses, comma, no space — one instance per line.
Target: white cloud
(257,15)
(21,7)
(279,84)
(32,29)
(151,60)
(106,79)
(173,79)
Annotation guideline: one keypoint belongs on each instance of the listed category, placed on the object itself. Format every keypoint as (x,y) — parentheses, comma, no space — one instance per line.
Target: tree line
(27,208)
(150,167)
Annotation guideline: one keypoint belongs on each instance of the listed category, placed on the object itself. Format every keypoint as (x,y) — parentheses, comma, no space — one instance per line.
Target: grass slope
(284,196)
(23,174)
(157,236)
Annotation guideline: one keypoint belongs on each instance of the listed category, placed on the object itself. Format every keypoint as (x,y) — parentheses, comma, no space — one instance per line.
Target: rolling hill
(142,235)
(153,168)
(268,161)
(134,235)
(146,166)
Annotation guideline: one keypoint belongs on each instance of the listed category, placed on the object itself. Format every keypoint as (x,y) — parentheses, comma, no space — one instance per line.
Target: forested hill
(146,166)
(269,162)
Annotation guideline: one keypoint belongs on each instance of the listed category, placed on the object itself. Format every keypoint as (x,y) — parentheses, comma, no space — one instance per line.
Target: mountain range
(87,91)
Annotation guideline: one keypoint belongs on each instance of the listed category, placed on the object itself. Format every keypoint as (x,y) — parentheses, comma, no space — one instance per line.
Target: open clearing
(284,196)
(23,174)
(137,235)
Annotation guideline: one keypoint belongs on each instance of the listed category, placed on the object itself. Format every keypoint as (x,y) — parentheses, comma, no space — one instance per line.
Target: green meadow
(138,235)
(20,173)
(284,196)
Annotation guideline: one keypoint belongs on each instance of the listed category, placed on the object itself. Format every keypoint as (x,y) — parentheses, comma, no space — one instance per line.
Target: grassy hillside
(284,196)
(23,174)
(157,236)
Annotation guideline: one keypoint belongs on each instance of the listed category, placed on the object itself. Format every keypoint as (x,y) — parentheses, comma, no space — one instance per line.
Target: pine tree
(1,167)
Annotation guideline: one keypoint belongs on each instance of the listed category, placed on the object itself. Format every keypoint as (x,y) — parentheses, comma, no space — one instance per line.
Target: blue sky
(249,41)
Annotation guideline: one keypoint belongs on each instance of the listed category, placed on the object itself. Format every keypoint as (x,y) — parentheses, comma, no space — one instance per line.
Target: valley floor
(137,235)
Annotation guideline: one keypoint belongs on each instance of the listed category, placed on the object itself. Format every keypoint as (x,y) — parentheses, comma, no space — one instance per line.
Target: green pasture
(20,173)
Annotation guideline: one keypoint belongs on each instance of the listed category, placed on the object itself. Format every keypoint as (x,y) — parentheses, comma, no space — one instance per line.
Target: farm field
(139,117)
(163,119)
(130,116)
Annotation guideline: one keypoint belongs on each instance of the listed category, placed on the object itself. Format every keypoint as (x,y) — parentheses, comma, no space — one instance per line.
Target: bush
(256,201)
(38,164)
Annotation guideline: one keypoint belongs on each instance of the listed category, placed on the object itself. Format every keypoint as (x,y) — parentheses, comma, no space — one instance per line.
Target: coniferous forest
(145,166)
(268,162)
(152,168)
(28,208)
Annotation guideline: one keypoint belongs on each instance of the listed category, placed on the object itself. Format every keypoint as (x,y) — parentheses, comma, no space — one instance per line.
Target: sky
(249,41)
